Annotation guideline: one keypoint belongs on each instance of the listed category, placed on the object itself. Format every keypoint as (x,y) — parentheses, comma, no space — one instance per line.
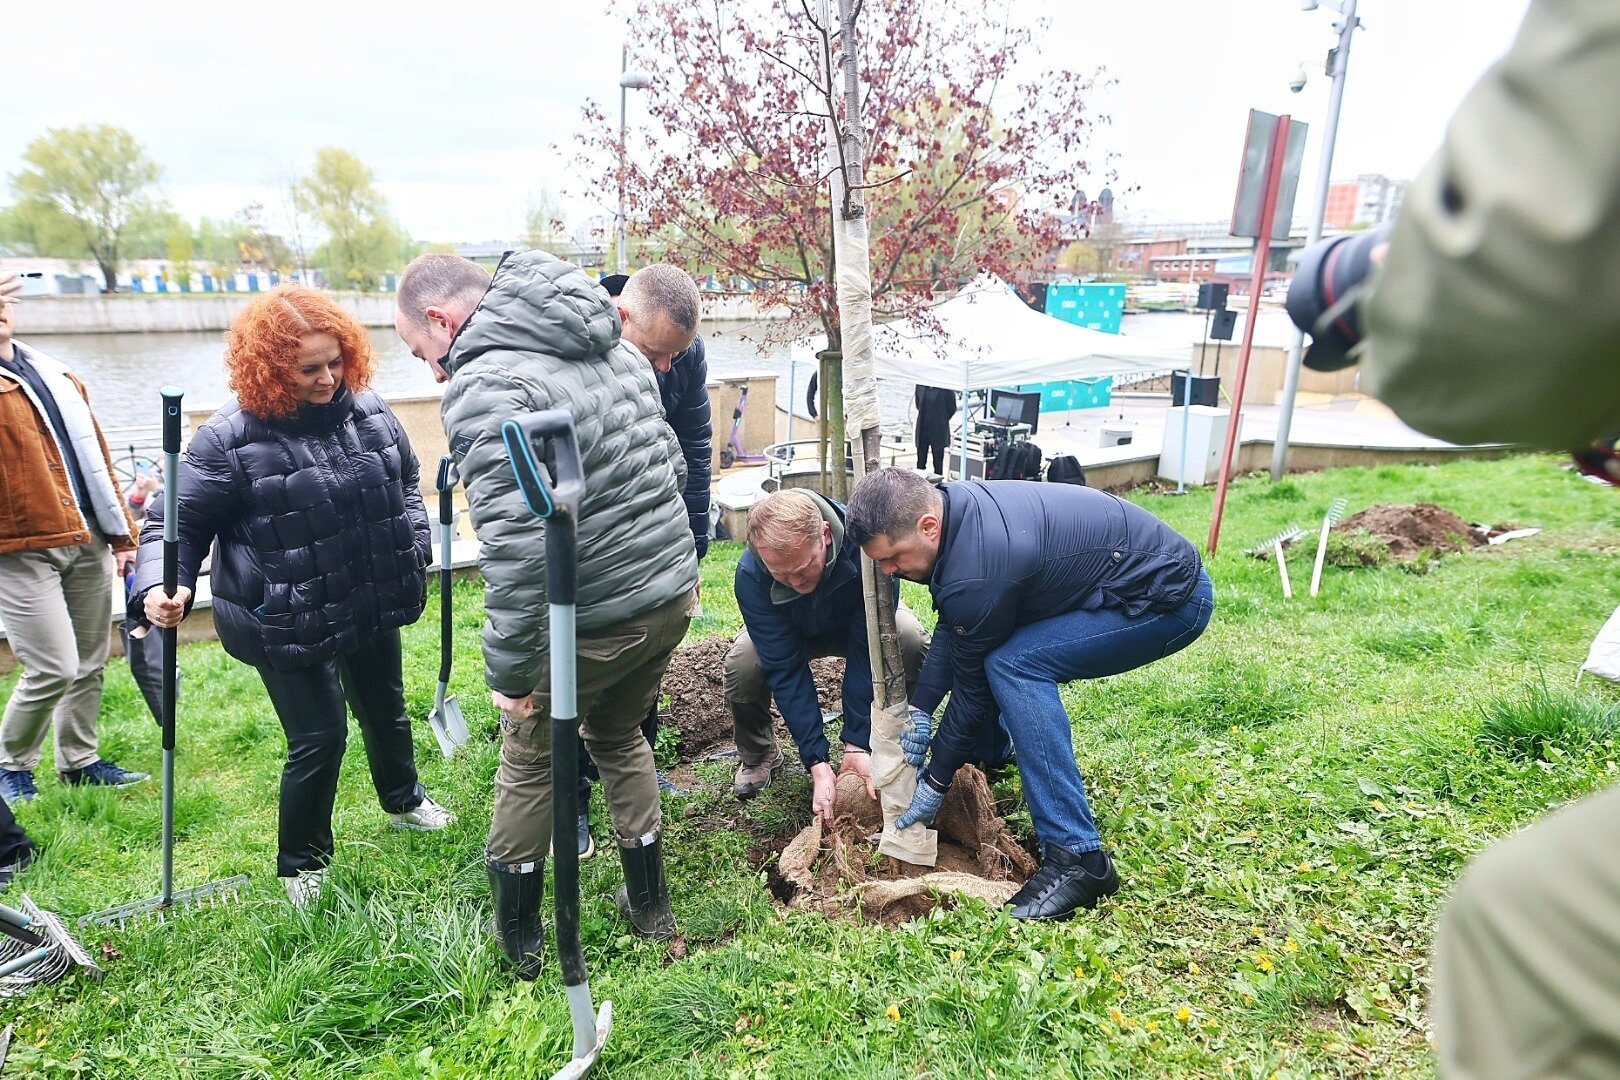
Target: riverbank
(184,313)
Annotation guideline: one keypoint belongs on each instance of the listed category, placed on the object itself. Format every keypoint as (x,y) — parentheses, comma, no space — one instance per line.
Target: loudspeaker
(1212,296)
(1225,321)
(1205,390)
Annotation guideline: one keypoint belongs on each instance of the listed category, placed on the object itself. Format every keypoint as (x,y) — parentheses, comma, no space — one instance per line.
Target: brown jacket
(37,506)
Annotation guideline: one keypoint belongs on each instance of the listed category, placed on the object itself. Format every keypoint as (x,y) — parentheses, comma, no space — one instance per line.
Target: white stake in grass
(1282,568)
(1335,512)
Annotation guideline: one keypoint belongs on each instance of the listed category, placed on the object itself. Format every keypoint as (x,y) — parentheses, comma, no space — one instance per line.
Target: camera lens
(1323,298)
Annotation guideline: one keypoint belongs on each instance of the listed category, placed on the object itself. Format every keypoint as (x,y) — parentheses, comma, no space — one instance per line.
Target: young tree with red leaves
(966,168)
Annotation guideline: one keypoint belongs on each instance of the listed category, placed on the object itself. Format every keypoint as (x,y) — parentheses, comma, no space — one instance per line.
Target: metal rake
(36,948)
(1335,512)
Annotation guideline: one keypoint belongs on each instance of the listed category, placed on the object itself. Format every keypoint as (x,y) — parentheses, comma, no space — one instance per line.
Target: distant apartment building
(1369,199)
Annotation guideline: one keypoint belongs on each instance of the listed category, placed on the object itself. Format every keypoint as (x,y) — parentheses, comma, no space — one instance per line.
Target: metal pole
(624,68)
(1330,133)
(793,390)
(1186,420)
(1262,249)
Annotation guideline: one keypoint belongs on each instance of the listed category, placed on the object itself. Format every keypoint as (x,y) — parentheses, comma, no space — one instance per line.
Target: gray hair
(889,503)
(437,279)
(666,290)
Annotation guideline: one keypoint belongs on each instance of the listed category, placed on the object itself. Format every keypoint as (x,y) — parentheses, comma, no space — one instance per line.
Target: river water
(124,371)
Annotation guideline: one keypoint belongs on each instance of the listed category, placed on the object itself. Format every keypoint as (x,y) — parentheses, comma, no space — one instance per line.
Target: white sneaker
(305,889)
(429,817)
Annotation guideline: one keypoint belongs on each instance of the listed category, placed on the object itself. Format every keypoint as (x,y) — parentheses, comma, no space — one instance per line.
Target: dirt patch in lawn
(836,870)
(1410,531)
(694,688)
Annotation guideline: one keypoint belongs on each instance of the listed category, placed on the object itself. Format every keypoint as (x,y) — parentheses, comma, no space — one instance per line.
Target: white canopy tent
(987,337)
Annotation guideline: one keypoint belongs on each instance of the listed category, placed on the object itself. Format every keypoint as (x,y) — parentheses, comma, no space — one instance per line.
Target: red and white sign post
(1265,202)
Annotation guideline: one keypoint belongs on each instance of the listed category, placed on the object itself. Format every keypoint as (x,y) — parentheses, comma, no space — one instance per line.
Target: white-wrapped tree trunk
(895,780)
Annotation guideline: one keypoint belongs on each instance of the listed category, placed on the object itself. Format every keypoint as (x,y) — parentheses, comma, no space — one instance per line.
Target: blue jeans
(1024,674)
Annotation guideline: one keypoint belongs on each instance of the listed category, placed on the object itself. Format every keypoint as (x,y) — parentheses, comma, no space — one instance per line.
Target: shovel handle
(171,559)
(446,483)
(566,487)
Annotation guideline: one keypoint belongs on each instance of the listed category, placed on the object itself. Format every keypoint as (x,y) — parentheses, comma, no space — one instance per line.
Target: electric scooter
(732,453)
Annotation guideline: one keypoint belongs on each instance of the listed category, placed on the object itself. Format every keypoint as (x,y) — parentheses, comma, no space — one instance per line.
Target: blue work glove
(914,739)
(925,803)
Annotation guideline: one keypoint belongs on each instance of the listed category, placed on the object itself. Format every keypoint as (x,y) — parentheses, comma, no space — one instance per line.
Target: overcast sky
(459,121)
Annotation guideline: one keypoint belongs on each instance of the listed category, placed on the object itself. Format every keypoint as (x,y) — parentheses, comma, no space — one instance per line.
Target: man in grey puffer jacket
(542,335)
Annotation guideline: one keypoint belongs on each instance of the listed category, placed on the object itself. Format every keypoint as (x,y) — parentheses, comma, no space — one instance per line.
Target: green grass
(1289,801)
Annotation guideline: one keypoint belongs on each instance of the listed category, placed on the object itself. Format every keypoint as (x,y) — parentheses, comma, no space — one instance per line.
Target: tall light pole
(1338,63)
(628,80)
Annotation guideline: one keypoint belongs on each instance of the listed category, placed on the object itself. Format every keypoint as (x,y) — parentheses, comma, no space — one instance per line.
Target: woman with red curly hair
(307,485)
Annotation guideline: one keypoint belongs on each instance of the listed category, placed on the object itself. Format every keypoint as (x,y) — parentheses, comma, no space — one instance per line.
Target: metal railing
(134,450)
(801,456)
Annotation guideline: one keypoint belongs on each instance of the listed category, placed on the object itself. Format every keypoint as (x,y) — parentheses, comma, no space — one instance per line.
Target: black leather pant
(309,703)
(14,843)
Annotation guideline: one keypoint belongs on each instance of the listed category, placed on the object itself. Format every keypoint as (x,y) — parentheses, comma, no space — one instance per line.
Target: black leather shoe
(1064,884)
(517,926)
(587,844)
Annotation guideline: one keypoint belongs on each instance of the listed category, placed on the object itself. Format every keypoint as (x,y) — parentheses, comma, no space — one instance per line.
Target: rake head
(209,894)
(1287,536)
(1335,512)
(37,948)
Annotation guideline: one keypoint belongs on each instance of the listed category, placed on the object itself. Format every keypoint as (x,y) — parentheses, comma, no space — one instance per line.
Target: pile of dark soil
(695,686)
(1411,531)
(836,869)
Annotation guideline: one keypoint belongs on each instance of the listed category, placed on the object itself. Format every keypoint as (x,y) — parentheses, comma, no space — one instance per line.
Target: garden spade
(225,889)
(449,726)
(557,503)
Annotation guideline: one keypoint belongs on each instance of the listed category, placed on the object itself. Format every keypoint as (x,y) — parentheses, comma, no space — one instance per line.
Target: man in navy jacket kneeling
(1035,585)
(799,590)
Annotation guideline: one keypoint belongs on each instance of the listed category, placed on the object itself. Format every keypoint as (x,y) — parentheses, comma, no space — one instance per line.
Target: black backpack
(1016,461)
(1065,469)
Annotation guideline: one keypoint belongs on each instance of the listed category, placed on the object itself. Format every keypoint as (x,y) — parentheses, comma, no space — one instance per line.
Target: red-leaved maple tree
(969,165)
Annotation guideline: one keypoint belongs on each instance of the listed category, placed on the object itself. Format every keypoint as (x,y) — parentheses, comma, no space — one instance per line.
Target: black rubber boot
(1064,884)
(644,897)
(517,926)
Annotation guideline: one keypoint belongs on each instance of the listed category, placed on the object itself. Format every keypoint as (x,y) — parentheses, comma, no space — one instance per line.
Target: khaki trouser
(619,670)
(1527,959)
(750,696)
(57,607)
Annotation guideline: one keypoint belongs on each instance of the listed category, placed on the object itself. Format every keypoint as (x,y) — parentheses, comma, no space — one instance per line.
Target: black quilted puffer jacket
(321,538)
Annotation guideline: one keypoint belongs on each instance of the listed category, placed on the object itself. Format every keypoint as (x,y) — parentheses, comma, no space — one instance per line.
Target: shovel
(224,890)
(557,503)
(449,726)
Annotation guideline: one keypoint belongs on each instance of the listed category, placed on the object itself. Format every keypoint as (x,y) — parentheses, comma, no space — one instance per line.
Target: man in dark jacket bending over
(659,307)
(1035,585)
(799,590)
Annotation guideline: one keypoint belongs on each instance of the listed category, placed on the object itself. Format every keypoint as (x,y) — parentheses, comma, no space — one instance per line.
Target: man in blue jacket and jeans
(799,590)
(1035,585)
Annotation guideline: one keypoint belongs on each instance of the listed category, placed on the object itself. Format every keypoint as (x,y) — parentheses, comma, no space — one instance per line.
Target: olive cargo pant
(619,670)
